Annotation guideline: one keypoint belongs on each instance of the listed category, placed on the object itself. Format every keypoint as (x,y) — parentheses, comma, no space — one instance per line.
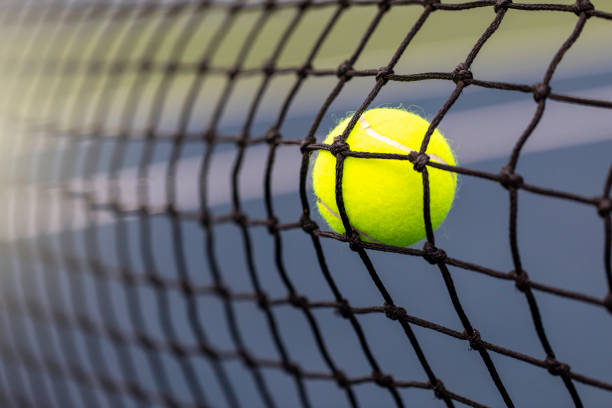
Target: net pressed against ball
(383,198)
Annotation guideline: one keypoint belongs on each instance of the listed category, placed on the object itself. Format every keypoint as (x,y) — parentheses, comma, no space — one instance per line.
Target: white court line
(476,134)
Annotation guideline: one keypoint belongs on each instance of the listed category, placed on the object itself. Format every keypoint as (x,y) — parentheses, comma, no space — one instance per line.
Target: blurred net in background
(159,246)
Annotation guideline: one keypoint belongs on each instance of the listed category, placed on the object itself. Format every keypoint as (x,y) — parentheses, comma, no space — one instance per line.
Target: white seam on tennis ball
(372,133)
(338,217)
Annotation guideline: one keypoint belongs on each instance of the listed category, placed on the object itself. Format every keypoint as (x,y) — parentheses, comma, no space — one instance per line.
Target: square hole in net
(183,386)
(160,247)
(146,312)
(269,272)
(341,342)
(306,34)
(231,257)
(256,330)
(347,271)
(237,32)
(303,267)
(214,321)
(282,386)
(184,322)
(196,101)
(270,37)
(147,362)
(191,246)
(342,41)
(299,337)
(210,22)
(208,374)
(534,38)
(584,70)
(245,384)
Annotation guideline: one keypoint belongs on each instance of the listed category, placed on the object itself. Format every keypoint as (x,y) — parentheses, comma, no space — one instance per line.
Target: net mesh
(77,76)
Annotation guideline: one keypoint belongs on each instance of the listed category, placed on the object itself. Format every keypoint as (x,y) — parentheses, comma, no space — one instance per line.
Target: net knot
(384,5)
(383,74)
(298,301)
(354,241)
(202,66)
(509,179)
(208,352)
(305,145)
(540,91)
(204,219)
(607,302)
(127,277)
(339,147)
(556,367)
(171,210)
(269,5)
(144,210)
(604,206)
(155,281)
(171,68)
(95,67)
(521,281)
(242,140)
(246,358)
(439,390)
(343,69)
(262,300)
(272,225)
(394,312)
(583,6)
(235,8)
(209,136)
(431,3)
(146,66)
(501,5)
(186,288)
(177,350)
(304,4)
(108,385)
(419,160)
(238,217)
(137,392)
(292,368)
(474,339)
(307,224)
(341,379)
(461,74)
(169,401)
(222,291)
(232,73)
(273,135)
(302,72)
(269,68)
(384,380)
(146,342)
(86,324)
(344,309)
(202,4)
(118,67)
(432,254)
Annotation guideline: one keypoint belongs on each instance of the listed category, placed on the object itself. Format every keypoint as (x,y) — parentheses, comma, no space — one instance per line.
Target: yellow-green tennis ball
(383,198)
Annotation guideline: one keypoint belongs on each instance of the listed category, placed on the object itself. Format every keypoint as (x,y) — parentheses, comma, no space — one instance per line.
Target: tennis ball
(383,198)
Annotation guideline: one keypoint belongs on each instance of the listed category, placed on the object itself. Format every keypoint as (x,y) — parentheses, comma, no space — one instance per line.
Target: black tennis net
(86,82)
